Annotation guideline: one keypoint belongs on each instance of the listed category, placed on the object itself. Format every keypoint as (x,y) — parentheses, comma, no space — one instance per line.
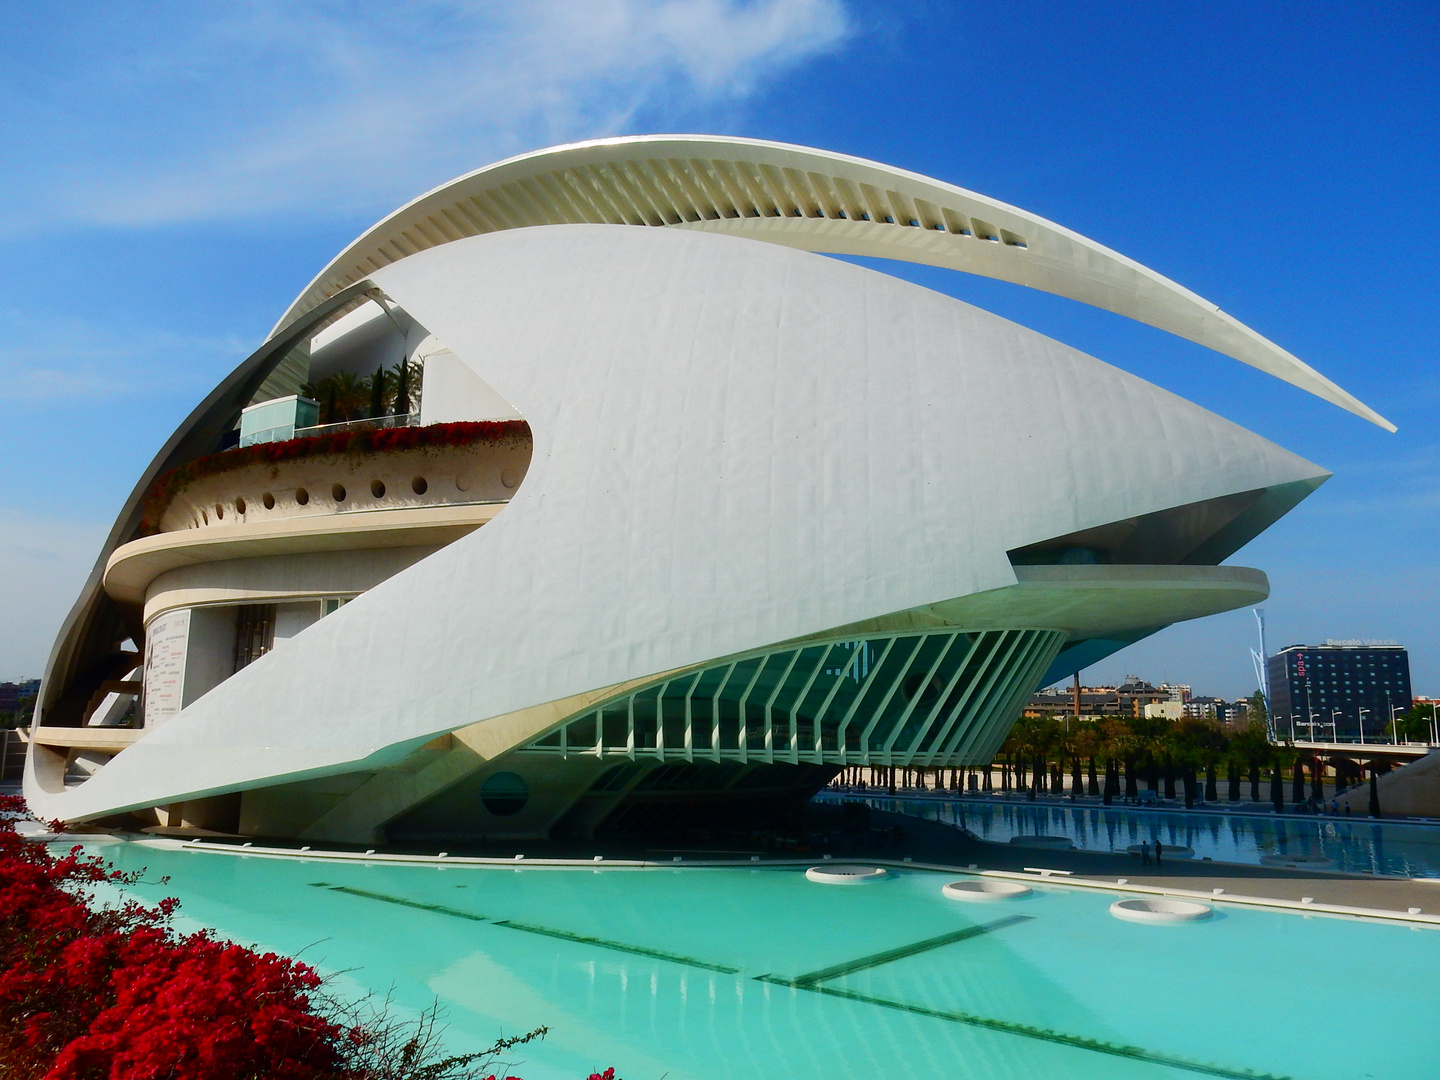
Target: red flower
(113,993)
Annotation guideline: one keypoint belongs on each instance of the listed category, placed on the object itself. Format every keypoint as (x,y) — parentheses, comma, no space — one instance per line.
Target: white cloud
(43,563)
(264,107)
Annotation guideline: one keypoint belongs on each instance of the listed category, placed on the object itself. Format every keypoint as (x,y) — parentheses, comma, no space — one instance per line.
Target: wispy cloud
(211,111)
(67,358)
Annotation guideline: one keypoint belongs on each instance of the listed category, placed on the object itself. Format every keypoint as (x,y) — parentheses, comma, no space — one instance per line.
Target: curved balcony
(440,465)
(407,488)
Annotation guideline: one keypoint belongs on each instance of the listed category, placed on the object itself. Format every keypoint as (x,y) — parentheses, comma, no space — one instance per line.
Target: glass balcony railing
(373,423)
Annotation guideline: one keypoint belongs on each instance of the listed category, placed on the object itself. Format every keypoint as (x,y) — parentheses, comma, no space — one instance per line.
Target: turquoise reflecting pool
(722,973)
(1354,844)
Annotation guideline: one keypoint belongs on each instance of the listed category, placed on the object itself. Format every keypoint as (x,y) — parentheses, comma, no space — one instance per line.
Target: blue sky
(171,182)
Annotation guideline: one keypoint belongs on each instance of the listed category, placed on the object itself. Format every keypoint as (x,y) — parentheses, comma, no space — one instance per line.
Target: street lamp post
(1361,717)
(1334,726)
(1395,723)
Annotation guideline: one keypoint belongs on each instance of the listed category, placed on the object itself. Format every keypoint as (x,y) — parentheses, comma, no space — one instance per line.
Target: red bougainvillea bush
(113,992)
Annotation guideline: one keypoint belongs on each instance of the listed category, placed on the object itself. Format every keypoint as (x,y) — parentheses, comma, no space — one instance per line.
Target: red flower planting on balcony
(91,992)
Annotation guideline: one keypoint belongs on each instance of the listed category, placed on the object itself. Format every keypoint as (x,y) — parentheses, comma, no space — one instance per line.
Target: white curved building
(688,518)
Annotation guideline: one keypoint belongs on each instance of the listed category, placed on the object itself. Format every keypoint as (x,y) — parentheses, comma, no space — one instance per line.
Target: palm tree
(344,395)
(1121,746)
(1085,742)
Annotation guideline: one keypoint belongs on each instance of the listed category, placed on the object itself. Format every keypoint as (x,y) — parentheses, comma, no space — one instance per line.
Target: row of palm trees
(346,395)
(1163,754)
(1114,758)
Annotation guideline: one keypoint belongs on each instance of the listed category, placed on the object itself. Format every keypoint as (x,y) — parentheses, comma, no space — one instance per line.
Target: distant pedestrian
(1144,853)
(1158,846)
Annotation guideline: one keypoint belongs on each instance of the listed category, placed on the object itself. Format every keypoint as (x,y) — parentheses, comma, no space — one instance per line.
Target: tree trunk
(1297,781)
(1234,778)
(377,393)
(1187,777)
(1132,788)
(1169,777)
(1374,794)
(1317,779)
(1077,782)
(1254,783)
(1277,789)
(1212,794)
(1094,780)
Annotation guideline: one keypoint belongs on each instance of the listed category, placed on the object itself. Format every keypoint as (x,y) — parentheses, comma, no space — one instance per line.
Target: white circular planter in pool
(1155,909)
(1051,843)
(844,874)
(986,891)
(1298,862)
(1167,851)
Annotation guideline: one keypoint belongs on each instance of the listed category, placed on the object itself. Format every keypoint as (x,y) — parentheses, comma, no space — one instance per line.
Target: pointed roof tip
(811,199)
(1375,418)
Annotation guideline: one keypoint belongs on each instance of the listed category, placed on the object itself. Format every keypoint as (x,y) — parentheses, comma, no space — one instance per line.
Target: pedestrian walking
(1144,853)
(1158,846)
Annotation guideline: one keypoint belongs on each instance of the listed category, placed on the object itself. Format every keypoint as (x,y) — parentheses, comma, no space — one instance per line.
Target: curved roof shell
(809,199)
(735,444)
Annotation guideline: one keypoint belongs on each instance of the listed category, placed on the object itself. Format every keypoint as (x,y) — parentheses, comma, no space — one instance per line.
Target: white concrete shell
(808,199)
(736,445)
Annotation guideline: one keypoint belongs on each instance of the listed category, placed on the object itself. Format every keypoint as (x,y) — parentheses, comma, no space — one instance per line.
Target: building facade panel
(1344,690)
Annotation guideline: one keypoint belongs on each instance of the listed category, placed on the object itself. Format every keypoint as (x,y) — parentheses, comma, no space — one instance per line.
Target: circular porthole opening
(504,794)
(219,512)
(269,501)
(302,496)
(240,506)
(337,492)
(419,485)
(377,488)
(510,476)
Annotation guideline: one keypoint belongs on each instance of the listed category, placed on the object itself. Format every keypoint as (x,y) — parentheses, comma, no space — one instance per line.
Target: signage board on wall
(166,639)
